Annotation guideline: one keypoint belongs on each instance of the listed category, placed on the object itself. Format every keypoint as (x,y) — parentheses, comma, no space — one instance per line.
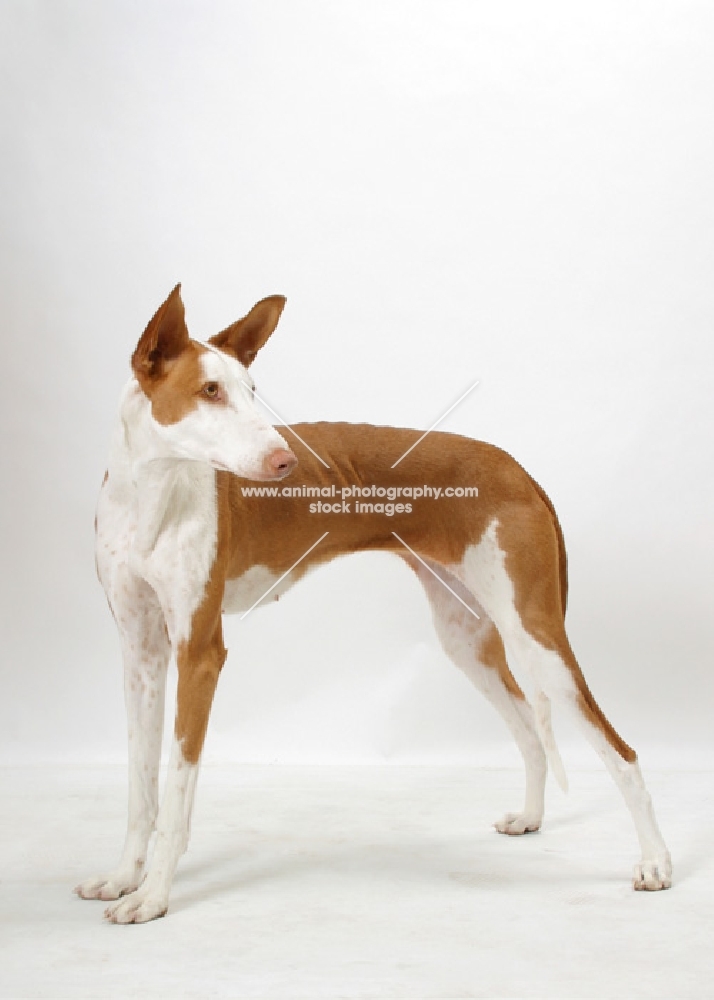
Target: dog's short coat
(178,542)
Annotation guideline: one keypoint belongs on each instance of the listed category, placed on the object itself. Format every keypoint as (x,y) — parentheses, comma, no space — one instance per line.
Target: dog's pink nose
(279,462)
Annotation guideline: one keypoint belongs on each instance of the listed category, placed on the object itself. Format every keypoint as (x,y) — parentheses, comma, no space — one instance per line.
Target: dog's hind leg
(146,651)
(517,582)
(475,646)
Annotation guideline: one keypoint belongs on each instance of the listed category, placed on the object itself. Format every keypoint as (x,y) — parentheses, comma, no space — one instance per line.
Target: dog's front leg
(146,651)
(199,664)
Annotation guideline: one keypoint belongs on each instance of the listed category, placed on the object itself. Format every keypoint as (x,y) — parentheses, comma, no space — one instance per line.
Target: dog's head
(201,395)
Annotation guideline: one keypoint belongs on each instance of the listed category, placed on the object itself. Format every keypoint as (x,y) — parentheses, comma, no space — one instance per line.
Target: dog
(180,539)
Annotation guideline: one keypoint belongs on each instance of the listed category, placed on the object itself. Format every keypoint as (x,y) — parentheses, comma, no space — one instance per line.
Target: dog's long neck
(159,487)
(136,444)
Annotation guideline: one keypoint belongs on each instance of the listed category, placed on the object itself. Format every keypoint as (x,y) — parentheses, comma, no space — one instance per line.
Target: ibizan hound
(179,541)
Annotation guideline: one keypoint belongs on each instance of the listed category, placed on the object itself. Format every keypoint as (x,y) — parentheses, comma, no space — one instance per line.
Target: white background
(515,192)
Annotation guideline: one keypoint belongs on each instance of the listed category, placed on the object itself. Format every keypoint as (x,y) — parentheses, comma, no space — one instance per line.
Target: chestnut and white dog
(178,543)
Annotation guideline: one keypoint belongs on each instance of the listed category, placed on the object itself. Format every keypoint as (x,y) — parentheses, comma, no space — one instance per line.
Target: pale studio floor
(370,882)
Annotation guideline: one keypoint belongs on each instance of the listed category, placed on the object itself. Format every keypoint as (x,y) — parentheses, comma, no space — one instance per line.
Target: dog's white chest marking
(179,563)
(157,525)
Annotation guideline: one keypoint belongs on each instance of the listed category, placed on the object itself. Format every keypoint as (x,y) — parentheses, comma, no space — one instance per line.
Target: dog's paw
(107,887)
(651,875)
(137,908)
(514,824)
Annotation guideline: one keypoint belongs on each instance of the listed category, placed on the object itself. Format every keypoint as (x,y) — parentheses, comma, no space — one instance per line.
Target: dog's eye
(211,390)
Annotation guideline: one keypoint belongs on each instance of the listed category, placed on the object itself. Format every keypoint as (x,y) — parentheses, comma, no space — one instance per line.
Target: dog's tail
(541,711)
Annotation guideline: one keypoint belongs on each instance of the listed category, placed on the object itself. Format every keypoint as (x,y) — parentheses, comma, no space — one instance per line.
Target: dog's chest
(165,536)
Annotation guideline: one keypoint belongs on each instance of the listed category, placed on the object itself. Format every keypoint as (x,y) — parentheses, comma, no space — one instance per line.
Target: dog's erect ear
(245,338)
(162,341)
